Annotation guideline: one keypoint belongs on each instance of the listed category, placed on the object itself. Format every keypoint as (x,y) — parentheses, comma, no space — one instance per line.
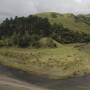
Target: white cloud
(79,1)
(25,7)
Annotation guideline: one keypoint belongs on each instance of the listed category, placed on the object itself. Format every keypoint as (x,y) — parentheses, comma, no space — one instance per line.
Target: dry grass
(58,63)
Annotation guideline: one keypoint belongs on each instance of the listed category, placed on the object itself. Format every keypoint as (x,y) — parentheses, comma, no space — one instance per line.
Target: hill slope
(57,63)
(85,18)
(69,21)
(28,31)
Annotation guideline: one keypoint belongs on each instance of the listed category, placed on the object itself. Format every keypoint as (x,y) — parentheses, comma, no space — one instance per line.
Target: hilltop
(69,21)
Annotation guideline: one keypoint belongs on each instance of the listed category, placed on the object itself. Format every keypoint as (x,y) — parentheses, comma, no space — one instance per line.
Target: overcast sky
(9,8)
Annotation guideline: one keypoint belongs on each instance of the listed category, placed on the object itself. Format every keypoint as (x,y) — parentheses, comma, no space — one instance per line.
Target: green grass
(57,63)
(68,20)
(47,42)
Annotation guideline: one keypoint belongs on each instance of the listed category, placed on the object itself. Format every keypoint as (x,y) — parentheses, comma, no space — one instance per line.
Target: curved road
(38,83)
(7,83)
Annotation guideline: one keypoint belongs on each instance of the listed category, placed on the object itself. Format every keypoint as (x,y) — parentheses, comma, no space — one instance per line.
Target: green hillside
(69,21)
(85,18)
(48,42)
(56,47)
(31,31)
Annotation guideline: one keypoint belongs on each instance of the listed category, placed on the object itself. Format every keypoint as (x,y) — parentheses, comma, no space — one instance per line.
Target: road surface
(34,82)
(7,83)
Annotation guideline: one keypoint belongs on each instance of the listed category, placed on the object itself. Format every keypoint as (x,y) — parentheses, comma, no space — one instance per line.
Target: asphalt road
(7,83)
(33,82)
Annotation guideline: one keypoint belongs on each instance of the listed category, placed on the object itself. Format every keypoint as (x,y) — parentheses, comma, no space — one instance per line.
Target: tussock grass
(57,63)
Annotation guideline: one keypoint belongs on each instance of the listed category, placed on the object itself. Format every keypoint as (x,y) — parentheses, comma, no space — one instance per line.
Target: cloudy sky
(9,8)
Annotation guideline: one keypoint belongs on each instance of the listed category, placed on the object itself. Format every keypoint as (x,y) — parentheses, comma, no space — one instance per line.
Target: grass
(48,42)
(57,63)
(68,20)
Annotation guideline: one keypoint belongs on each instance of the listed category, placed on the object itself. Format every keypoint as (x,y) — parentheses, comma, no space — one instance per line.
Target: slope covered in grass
(26,31)
(69,21)
(85,18)
(47,42)
(59,63)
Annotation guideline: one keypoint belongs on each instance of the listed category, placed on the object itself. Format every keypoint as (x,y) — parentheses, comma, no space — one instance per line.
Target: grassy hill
(67,60)
(69,21)
(85,18)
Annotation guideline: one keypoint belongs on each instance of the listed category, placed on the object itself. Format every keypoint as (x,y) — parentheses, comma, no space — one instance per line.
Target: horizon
(2,19)
(12,8)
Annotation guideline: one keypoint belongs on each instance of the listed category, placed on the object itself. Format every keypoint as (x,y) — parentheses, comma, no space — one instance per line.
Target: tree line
(26,31)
